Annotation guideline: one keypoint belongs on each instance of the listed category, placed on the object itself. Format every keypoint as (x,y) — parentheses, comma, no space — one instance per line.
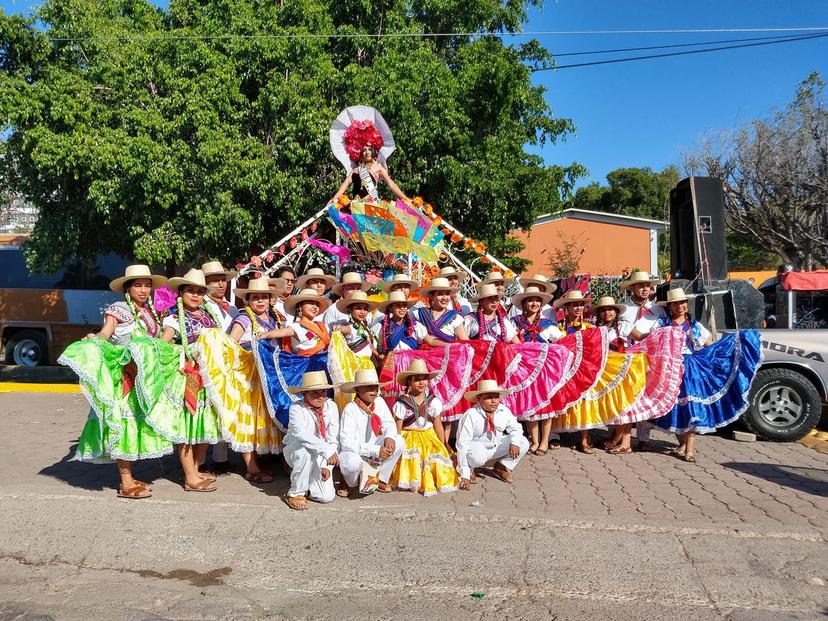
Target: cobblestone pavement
(740,534)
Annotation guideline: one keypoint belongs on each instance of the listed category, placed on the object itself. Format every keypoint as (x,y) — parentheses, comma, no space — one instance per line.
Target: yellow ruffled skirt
(622,381)
(343,365)
(232,381)
(425,464)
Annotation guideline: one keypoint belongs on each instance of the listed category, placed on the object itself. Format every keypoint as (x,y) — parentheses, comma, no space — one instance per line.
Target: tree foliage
(202,130)
(639,192)
(775,173)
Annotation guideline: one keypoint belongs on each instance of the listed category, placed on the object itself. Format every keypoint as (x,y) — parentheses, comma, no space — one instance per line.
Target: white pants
(306,475)
(350,463)
(481,455)
(642,430)
(220,452)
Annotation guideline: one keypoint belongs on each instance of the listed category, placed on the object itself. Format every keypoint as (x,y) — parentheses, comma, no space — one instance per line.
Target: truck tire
(27,348)
(783,405)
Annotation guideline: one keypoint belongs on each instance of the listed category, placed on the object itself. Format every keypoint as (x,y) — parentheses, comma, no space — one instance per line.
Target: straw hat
(531,292)
(363,377)
(357,297)
(450,270)
(314,273)
(351,278)
(415,367)
(259,285)
(608,301)
(306,295)
(674,295)
(133,272)
(312,380)
(638,278)
(573,295)
(395,297)
(277,285)
(214,268)
(485,387)
(538,280)
(437,284)
(493,277)
(485,291)
(194,277)
(398,279)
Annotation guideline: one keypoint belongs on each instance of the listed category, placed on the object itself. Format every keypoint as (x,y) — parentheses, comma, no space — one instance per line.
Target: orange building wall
(608,248)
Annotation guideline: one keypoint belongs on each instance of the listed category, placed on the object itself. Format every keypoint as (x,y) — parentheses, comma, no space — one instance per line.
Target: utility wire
(683,53)
(428,35)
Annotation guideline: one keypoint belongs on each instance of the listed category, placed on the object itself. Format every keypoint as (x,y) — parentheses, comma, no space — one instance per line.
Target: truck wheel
(27,348)
(784,405)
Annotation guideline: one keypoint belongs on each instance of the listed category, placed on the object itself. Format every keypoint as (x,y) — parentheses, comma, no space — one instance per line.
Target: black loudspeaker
(697,230)
(736,303)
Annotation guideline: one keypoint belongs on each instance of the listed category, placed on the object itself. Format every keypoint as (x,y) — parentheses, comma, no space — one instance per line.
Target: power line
(682,53)
(428,35)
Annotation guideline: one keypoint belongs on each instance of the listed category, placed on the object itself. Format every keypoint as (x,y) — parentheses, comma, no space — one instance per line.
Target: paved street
(739,535)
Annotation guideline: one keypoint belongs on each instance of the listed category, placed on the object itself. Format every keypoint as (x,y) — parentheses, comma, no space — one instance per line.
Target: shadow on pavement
(809,480)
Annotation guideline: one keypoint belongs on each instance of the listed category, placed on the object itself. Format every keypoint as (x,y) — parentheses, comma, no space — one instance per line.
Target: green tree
(639,192)
(202,130)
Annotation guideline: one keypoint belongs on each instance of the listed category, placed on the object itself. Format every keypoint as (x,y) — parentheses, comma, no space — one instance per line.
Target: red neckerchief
(376,423)
(490,425)
(642,310)
(455,304)
(320,417)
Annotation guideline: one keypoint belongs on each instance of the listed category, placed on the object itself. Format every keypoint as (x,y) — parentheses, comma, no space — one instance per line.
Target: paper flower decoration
(361,134)
(343,201)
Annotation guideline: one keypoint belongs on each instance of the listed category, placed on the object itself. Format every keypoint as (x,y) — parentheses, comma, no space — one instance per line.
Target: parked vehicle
(39,314)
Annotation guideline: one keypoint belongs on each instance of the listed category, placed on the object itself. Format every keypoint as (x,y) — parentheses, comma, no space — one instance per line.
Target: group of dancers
(416,392)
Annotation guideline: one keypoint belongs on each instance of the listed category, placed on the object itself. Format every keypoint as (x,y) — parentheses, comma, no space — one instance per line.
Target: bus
(41,314)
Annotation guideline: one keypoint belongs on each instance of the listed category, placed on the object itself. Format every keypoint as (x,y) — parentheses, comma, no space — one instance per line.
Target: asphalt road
(740,535)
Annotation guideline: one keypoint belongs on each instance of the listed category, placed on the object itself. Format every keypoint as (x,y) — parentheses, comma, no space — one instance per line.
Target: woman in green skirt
(169,382)
(116,428)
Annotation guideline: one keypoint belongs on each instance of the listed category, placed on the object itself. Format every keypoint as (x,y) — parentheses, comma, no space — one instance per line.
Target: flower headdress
(357,127)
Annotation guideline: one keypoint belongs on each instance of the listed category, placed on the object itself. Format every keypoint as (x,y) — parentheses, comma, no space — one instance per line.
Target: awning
(805,281)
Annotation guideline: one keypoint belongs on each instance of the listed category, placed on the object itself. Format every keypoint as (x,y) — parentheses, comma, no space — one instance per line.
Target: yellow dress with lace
(425,464)
(622,381)
(343,365)
(232,381)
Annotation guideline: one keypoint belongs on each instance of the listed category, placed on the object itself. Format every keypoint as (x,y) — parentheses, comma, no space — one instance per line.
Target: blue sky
(646,113)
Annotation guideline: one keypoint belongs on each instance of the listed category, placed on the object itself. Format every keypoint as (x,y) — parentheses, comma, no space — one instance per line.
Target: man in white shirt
(367,431)
(311,444)
(643,315)
(289,276)
(351,281)
(488,433)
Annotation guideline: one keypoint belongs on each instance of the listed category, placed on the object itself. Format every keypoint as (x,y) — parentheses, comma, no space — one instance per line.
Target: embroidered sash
(414,410)
(433,325)
(395,333)
(318,330)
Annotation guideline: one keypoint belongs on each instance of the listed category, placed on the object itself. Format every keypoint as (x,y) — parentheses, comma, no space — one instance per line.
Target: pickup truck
(791,386)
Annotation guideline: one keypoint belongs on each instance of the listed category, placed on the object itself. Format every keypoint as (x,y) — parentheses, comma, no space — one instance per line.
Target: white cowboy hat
(531,292)
(194,278)
(398,279)
(493,277)
(485,291)
(312,380)
(258,285)
(213,268)
(351,278)
(607,301)
(395,297)
(450,270)
(636,278)
(485,387)
(674,295)
(314,273)
(357,297)
(437,284)
(415,367)
(573,295)
(363,377)
(134,272)
(306,295)
(538,280)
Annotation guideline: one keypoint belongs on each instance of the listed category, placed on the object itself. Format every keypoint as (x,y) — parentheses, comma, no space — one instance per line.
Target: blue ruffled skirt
(717,378)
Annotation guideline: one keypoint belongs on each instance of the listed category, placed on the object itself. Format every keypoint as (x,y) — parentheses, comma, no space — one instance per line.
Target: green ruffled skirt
(160,389)
(116,427)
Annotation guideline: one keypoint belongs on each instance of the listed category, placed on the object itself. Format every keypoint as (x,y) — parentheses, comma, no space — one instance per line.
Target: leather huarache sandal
(385,488)
(135,492)
(619,450)
(297,503)
(146,486)
(586,450)
(502,472)
(258,477)
(202,486)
